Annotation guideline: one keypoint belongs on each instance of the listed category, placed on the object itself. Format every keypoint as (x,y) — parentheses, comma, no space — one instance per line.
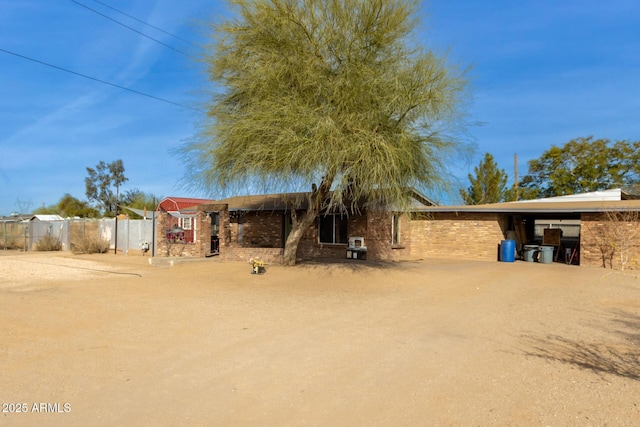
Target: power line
(148,24)
(97,80)
(136,31)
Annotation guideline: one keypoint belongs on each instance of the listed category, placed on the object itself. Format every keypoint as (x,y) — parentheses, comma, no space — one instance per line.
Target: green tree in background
(100,183)
(69,207)
(583,165)
(489,185)
(338,97)
(137,199)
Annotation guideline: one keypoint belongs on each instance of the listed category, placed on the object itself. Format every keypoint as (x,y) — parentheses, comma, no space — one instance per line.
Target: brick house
(245,227)
(475,232)
(178,226)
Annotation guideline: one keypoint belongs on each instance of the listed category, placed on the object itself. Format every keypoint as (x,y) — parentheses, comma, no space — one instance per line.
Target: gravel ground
(110,340)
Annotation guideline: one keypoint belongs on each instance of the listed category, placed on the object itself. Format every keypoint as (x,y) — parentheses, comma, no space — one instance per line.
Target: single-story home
(257,226)
(245,227)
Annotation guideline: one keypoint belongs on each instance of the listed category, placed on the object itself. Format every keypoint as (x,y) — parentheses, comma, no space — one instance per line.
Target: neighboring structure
(45,218)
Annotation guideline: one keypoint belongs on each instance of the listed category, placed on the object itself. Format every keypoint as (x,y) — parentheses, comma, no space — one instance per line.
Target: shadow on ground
(618,353)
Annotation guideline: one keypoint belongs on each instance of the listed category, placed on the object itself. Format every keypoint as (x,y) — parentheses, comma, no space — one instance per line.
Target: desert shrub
(90,245)
(49,243)
(11,243)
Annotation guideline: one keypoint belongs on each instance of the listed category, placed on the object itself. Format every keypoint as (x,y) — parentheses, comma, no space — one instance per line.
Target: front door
(215,228)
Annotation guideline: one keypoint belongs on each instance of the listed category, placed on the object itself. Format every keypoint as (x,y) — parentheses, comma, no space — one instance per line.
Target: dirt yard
(108,340)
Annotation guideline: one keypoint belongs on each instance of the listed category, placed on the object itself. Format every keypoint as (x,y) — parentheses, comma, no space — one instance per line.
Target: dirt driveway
(109,340)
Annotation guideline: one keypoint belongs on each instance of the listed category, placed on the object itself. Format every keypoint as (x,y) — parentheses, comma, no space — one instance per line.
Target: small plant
(90,245)
(49,243)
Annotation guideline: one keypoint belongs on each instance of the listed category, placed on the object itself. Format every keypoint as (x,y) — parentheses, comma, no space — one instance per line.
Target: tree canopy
(69,207)
(489,185)
(338,96)
(583,165)
(100,182)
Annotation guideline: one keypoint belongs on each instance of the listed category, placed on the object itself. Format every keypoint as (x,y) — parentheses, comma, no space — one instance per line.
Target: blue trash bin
(508,251)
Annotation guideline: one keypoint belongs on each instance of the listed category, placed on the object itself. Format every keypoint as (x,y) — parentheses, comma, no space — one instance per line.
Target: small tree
(336,96)
(100,182)
(489,184)
(617,236)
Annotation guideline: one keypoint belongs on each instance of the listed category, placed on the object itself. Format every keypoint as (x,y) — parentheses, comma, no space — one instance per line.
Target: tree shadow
(619,355)
(359,265)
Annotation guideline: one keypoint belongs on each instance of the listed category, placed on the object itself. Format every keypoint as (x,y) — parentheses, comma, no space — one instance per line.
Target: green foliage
(69,207)
(584,165)
(139,200)
(337,93)
(99,185)
(489,185)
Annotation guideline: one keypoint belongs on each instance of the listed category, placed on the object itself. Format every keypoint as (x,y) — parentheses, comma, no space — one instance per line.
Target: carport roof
(541,206)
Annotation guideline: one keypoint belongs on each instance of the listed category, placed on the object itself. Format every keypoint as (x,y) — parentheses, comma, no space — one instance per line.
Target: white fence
(124,235)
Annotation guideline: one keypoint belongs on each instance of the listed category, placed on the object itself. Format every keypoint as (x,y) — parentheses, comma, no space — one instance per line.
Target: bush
(49,243)
(90,245)
(11,243)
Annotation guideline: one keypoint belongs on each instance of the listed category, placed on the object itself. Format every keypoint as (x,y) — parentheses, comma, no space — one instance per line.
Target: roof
(541,206)
(46,218)
(283,201)
(612,194)
(174,204)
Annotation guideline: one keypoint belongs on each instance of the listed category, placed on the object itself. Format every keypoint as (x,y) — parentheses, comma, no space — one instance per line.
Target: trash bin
(508,251)
(531,252)
(546,254)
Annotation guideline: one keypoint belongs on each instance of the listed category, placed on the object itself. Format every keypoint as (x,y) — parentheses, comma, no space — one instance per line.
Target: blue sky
(543,72)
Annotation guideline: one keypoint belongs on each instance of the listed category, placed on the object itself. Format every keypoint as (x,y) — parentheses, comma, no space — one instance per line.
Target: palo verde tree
(489,185)
(336,96)
(100,183)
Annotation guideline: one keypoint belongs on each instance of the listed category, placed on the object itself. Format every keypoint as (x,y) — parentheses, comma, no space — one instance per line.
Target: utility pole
(515,173)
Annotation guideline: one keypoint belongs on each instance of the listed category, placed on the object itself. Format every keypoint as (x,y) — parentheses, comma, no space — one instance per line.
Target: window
(186,223)
(395,229)
(333,229)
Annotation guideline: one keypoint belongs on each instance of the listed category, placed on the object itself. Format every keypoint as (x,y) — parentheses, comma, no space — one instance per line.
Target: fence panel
(58,230)
(14,235)
(136,234)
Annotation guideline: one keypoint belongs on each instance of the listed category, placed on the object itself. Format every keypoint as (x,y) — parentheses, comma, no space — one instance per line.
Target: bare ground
(109,340)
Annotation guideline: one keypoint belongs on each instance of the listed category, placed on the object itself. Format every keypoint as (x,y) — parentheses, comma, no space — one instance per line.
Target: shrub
(90,245)
(49,243)
(11,243)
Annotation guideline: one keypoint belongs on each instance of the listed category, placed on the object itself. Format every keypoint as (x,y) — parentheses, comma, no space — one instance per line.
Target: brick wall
(167,248)
(593,248)
(378,240)
(457,235)
(259,229)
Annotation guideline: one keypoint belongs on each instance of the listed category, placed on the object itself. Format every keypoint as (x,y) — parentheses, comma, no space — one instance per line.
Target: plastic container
(508,251)
(546,254)
(531,252)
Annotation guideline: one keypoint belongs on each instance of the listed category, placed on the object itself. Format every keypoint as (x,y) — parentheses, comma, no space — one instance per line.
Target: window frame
(336,229)
(396,229)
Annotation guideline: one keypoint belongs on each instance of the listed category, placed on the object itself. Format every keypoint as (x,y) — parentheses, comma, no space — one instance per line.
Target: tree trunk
(300,226)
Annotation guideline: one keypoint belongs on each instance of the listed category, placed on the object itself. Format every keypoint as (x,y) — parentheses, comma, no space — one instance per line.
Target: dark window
(395,229)
(333,229)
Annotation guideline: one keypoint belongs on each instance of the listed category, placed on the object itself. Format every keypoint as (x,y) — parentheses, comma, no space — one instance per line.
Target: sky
(540,74)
